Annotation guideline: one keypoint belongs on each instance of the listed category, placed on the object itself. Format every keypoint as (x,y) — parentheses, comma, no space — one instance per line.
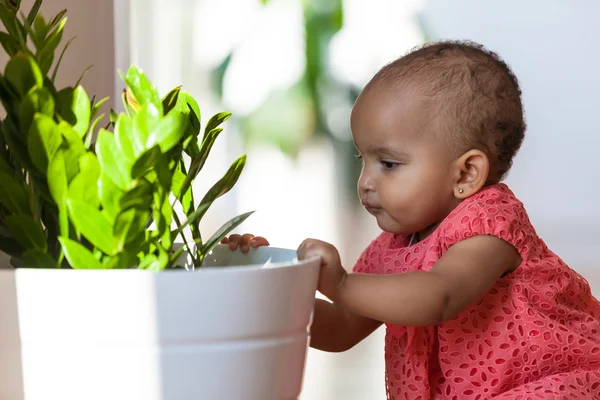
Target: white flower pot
(236,333)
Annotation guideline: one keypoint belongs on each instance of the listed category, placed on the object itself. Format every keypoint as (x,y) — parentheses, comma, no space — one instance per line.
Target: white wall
(552,47)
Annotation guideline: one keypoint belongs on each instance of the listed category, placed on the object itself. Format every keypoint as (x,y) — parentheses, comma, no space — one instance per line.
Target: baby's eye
(358,156)
(389,164)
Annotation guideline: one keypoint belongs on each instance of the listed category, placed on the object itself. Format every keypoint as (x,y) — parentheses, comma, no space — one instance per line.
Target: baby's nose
(366,184)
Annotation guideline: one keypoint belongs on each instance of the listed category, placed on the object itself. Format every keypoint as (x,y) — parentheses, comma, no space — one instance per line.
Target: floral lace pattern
(534,335)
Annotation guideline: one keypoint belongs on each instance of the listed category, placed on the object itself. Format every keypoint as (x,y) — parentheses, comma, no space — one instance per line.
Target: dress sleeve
(494,212)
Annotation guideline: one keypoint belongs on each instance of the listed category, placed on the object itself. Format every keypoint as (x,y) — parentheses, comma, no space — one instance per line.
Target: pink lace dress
(534,335)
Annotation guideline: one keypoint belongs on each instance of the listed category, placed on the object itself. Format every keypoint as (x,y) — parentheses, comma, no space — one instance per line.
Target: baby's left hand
(332,273)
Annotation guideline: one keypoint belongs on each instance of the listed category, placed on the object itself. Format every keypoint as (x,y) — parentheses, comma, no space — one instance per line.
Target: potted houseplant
(97,220)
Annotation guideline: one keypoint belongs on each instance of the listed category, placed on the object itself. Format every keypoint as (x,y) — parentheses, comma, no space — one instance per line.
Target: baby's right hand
(244,242)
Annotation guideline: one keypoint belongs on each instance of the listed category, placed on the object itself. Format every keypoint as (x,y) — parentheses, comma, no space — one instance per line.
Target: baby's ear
(473,169)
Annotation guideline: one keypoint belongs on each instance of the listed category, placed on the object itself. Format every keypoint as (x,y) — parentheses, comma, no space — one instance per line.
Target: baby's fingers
(245,241)
(259,241)
(232,241)
(310,248)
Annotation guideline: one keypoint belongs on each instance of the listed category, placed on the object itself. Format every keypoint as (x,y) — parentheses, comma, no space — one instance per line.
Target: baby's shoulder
(495,211)
(495,204)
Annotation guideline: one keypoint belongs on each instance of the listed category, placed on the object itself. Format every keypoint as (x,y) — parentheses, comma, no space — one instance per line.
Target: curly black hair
(478,99)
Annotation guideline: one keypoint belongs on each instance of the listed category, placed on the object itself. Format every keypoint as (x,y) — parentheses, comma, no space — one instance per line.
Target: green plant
(66,200)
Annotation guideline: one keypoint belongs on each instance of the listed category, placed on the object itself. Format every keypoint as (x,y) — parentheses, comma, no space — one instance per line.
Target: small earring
(460,190)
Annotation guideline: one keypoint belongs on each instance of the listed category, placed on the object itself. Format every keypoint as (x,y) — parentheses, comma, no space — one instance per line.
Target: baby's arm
(465,273)
(336,329)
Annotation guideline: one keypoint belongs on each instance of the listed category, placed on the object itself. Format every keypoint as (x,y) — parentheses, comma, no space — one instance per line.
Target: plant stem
(178,222)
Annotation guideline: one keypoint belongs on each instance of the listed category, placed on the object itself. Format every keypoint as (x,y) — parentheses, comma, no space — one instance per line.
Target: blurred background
(289,71)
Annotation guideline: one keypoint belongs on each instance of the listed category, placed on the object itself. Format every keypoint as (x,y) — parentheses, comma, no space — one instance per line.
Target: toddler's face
(407,176)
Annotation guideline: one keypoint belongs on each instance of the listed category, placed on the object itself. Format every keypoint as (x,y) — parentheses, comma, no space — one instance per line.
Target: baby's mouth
(371,208)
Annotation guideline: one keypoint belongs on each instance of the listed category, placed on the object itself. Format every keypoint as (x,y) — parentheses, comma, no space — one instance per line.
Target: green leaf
(125,140)
(146,162)
(74,107)
(36,258)
(49,215)
(90,135)
(96,106)
(14,195)
(4,167)
(9,96)
(26,231)
(123,260)
(215,121)
(38,101)
(139,197)
(128,225)
(190,141)
(7,244)
(150,262)
(73,149)
(45,55)
(84,186)
(163,261)
(58,186)
(65,105)
(187,103)
(40,30)
(93,225)
(10,44)
(33,12)
(168,132)
(16,145)
(146,120)
(113,116)
(62,54)
(8,16)
(41,188)
(44,140)
(11,247)
(23,73)
(207,144)
(57,178)
(163,218)
(170,100)
(129,102)
(58,18)
(82,109)
(224,231)
(112,162)
(163,175)
(20,32)
(143,91)
(225,184)
(199,161)
(109,196)
(78,256)
(186,199)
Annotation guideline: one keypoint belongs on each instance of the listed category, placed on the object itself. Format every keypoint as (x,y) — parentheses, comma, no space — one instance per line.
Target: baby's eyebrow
(387,151)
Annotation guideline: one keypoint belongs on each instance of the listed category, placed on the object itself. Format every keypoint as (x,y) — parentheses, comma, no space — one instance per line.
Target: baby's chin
(390,226)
